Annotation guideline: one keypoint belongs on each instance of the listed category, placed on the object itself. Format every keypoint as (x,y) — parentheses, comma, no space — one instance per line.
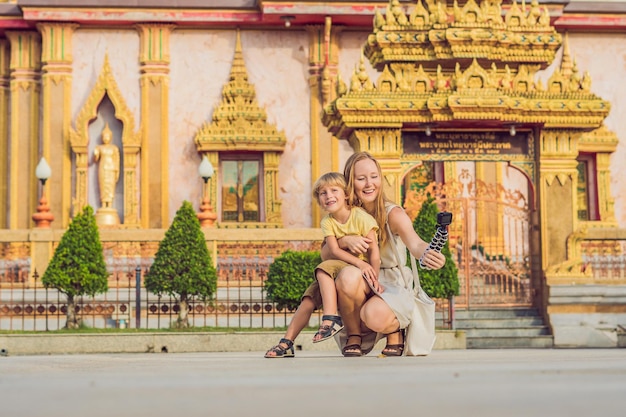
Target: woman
(383,306)
(369,307)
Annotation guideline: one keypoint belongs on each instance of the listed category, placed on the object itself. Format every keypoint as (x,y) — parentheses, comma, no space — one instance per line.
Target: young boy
(341,220)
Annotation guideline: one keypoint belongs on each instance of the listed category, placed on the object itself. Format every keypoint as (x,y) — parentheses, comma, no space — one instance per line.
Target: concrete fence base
(55,344)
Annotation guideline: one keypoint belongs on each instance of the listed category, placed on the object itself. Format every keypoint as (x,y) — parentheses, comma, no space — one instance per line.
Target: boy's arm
(336,252)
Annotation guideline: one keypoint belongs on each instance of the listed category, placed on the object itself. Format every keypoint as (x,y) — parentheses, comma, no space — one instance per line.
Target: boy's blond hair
(330,178)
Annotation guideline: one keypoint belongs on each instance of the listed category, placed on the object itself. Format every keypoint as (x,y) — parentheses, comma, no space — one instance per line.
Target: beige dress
(395,293)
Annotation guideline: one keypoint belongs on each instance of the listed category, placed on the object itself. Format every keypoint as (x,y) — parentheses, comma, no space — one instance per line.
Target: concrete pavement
(482,383)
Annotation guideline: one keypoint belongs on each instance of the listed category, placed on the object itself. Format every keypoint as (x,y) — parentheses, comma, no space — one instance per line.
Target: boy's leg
(299,321)
(328,291)
(331,322)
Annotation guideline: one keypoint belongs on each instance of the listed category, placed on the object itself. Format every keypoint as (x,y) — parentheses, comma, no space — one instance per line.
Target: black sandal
(327,331)
(353,350)
(396,349)
(282,352)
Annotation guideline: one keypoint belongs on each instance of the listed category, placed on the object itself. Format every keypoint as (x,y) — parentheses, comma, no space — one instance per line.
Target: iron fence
(240,301)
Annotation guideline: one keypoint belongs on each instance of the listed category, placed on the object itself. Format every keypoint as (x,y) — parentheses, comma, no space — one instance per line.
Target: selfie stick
(441,235)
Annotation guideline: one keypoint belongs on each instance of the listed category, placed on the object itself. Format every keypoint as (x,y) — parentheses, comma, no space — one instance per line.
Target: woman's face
(367,182)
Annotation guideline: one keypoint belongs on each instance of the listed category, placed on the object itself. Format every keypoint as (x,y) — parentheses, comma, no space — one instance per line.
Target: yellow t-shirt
(359,223)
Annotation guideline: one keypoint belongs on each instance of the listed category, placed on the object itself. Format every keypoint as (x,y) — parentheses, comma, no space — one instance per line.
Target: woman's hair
(330,178)
(379,213)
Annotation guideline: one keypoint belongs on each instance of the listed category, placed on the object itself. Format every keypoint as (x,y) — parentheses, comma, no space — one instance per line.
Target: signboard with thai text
(465,143)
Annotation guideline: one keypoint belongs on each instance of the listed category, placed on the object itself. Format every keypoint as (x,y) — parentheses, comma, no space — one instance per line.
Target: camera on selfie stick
(444,219)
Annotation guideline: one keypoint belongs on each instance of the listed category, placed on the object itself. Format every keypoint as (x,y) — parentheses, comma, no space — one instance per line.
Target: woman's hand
(369,274)
(433,259)
(355,244)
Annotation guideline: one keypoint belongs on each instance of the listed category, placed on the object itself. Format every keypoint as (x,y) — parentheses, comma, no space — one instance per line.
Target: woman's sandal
(353,350)
(281,351)
(327,331)
(396,349)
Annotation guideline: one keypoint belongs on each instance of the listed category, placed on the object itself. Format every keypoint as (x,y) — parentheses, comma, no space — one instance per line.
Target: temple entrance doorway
(489,237)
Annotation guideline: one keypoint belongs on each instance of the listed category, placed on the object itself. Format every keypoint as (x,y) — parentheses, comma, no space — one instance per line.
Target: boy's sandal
(327,331)
(280,351)
(396,349)
(353,350)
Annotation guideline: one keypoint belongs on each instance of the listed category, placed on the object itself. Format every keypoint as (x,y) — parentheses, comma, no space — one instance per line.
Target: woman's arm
(338,253)
(401,224)
(373,253)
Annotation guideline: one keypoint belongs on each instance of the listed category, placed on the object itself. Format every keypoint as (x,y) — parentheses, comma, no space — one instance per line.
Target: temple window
(587,190)
(241,182)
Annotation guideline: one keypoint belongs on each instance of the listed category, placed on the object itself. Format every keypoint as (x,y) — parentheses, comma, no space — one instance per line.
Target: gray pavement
(482,383)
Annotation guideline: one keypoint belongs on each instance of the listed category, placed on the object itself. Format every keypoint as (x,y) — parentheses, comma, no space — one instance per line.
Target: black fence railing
(240,302)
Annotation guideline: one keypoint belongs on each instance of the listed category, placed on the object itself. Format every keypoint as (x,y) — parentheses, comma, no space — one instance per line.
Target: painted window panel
(240,190)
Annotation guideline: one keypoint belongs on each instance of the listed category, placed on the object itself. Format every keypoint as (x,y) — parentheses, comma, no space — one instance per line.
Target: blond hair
(330,178)
(379,213)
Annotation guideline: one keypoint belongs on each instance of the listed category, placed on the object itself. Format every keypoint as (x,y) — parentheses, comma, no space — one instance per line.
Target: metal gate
(489,240)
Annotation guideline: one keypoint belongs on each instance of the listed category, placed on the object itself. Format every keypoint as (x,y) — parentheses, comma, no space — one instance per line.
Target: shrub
(77,267)
(289,276)
(444,282)
(182,266)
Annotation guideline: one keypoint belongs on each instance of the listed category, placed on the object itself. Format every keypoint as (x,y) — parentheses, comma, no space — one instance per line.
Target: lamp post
(206,216)
(43,217)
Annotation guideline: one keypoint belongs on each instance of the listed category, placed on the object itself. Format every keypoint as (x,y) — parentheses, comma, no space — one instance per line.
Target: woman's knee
(377,315)
(349,281)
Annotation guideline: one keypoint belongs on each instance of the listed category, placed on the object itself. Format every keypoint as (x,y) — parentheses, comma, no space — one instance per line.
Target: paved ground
(447,383)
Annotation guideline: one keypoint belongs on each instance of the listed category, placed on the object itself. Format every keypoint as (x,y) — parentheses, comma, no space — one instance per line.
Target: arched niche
(130,140)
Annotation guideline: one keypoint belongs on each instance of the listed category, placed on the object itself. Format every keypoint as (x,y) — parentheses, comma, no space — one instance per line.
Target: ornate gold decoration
(445,87)
(131,144)
(239,124)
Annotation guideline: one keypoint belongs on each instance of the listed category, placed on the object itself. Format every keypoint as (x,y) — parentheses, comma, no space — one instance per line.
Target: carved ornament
(240,124)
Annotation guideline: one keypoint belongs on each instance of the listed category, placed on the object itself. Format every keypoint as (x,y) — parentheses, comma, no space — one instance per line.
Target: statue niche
(116,174)
(107,155)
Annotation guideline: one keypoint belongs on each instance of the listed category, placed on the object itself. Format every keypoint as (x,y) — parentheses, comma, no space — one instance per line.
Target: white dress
(395,294)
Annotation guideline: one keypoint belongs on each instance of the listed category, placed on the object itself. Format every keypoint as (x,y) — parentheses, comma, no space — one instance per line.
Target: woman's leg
(352,291)
(377,316)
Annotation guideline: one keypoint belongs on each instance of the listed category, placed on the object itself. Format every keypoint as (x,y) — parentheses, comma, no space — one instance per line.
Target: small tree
(444,282)
(182,266)
(77,266)
(289,276)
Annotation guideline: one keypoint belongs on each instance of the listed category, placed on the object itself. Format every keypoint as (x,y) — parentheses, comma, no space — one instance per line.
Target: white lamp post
(43,217)
(206,216)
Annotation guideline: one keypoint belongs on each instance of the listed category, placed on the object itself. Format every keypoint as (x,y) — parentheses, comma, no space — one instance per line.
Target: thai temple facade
(511,114)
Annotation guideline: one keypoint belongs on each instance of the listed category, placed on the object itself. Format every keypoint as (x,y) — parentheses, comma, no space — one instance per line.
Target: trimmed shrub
(182,266)
(289,276)
(77,267)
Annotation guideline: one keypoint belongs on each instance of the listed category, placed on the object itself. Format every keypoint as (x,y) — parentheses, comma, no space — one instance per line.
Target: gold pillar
(154,59)
(56,84)
(272,199)
(25,87)
(490,218)
(323,59)
(4,131)
(557,193)
(386,146)
(606,201)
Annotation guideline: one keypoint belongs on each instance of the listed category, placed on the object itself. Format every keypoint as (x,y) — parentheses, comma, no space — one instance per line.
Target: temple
(509,113)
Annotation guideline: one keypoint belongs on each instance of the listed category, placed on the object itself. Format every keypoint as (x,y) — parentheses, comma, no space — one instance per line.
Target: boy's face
(332,198)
